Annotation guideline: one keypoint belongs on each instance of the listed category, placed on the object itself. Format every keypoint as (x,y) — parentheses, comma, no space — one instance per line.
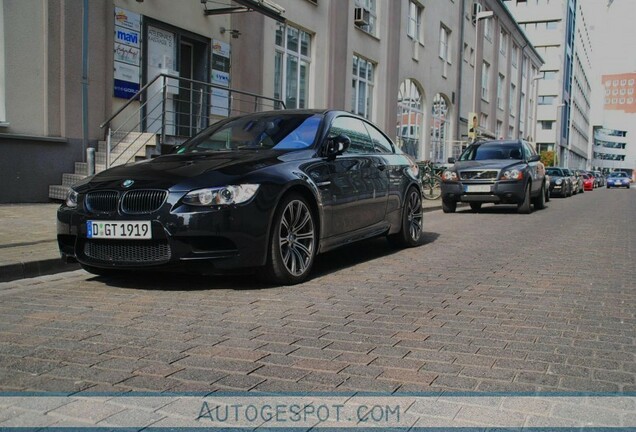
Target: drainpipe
(85,78)
(458,85)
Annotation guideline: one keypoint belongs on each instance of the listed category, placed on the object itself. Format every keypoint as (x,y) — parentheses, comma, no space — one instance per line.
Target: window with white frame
(366,15)
(291,66)
(444,43)
(485,79)
(515,55)
(487,29)
(500,90)
(503,43)
(522,114)
(498,134)
(513,99)
(483,120)
(362,87)
(445,48)
(414,30)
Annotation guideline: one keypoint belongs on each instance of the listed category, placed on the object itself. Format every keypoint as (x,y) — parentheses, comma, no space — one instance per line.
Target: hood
(189,171)
(488,164)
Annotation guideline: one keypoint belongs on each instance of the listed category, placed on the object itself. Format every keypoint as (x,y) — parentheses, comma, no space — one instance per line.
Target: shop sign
(127,19)
(127,54)
(127,37)
(125,89)
(126,72)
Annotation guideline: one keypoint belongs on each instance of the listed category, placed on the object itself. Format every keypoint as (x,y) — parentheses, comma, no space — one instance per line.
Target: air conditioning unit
(476,10)
(361,16)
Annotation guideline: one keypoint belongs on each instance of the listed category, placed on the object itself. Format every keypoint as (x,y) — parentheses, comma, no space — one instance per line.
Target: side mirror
(535,158)
(337,146)
(451,160)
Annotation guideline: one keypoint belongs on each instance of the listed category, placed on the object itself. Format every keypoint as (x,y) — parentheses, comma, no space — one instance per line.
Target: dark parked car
(600,180)
(618,179)
(267,190)
(500,172)
(560,182)
(577,182)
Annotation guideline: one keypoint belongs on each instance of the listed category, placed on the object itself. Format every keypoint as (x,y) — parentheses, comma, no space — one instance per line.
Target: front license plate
(478,188)
(134,230)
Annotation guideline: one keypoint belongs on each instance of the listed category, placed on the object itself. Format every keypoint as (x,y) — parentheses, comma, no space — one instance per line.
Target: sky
(613,33)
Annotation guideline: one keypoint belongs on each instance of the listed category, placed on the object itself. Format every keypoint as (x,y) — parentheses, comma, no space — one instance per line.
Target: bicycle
(431,181)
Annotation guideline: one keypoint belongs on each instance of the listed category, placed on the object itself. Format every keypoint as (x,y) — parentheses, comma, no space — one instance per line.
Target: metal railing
(174,108)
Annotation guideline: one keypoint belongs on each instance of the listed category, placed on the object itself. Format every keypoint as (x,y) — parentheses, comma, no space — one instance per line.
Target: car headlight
(449,175)
(71,198)
(512,174)
(226,195)
(559,181)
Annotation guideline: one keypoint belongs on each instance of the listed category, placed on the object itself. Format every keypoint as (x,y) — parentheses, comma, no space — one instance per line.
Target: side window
(528,150)
(381,144)
(355,130)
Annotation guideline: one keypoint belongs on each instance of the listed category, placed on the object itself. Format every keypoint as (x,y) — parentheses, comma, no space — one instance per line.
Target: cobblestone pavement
(493,301)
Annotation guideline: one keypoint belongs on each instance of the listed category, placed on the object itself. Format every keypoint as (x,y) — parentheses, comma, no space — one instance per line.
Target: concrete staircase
(125,148)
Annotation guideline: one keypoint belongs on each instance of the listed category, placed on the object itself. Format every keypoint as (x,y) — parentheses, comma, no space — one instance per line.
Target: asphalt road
(493,301)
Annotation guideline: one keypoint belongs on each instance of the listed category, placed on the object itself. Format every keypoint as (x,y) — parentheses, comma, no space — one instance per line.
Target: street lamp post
(557,141)
(535,80)
(479,17)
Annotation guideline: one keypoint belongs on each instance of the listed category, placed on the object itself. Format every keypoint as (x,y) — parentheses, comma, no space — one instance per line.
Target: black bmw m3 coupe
(266,192)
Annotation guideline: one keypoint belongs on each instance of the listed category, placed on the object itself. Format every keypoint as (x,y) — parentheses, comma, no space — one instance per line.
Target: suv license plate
(478,188)
(134,230)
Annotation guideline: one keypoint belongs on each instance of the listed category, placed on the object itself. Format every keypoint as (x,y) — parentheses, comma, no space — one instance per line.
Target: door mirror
(535,158)
(337,146)
(451,160)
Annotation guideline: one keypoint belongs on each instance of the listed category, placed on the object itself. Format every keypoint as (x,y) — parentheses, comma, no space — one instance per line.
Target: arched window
(409,118)
(439,130)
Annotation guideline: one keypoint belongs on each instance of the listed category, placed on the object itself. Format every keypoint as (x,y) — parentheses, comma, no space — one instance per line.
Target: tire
(293,242)
(475,206)
(524,207)
(539,202)
(432,189)
(449,206)
(547,194)
(410,234)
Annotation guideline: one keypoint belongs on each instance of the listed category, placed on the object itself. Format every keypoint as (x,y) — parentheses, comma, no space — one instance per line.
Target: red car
(588,182)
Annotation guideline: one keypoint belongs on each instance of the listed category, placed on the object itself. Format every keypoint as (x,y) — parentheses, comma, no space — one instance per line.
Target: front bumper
(501,192)
(204,240)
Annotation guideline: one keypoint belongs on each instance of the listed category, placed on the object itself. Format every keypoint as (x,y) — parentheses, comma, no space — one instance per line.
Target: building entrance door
(192,107)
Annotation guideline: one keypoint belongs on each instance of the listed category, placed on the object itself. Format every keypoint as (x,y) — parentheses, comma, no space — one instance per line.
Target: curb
(32,269)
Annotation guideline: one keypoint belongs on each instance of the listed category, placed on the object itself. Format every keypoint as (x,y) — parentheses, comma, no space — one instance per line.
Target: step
(71,179)
(58,192)
(81,168)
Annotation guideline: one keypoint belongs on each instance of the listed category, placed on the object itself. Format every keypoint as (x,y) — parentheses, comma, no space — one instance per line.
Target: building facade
(407,65)
(559,32)
(614,149)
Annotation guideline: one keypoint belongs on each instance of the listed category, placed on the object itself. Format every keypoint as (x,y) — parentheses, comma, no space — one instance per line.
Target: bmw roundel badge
(128,183)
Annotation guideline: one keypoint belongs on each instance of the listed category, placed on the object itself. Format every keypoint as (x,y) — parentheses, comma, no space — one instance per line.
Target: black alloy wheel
(410,234)
(293,243)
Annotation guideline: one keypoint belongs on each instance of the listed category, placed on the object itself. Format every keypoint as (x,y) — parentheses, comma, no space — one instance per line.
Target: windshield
(618,174)
(492,150)
(272,131)
(554,172)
